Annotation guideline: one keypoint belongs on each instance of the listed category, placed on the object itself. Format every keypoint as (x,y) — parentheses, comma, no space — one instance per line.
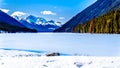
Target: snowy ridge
(37,20)
(41,21)
(38,23)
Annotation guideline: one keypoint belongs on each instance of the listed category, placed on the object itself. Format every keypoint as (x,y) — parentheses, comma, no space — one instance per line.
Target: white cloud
(47,12)
(61,18)
(4,10)
(18,13)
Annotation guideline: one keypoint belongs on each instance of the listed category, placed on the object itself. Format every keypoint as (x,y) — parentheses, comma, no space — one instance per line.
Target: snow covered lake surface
(28,50)
(66,43)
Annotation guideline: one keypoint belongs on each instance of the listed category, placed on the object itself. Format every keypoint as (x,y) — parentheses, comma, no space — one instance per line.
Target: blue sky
(60,10)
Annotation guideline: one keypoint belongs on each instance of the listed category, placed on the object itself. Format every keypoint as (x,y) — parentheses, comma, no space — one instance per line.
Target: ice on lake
(68,43)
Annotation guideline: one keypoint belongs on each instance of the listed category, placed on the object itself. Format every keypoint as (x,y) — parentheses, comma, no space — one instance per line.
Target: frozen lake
(68,43)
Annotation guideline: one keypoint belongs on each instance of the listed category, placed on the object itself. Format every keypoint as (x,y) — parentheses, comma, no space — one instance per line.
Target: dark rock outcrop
(53,54)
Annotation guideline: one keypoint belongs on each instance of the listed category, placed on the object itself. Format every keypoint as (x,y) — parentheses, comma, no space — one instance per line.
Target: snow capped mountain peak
(36,20)
(4,10)
(41,21)
(51,22)
(4,17)
(31,19)
(18,15)
(38,23)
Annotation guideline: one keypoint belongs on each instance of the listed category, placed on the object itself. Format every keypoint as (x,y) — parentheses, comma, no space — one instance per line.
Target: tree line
(12,29)
(107,23)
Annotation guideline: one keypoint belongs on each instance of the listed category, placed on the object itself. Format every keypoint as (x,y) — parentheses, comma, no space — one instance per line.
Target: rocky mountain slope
(9,24)
(9,20)
(99,8)
(107,23)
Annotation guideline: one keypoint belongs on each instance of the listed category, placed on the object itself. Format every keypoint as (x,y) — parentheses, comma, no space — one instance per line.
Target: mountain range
(38,23)
(9,24)
(97,9)
(29,24)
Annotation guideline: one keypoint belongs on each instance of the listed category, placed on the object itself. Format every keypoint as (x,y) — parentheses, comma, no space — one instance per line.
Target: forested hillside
(11,29)
(107,23)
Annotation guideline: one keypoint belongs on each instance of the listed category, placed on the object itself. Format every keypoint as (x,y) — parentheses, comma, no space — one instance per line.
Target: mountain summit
(99,8)
(9,24)
(38,23)
(9,20)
